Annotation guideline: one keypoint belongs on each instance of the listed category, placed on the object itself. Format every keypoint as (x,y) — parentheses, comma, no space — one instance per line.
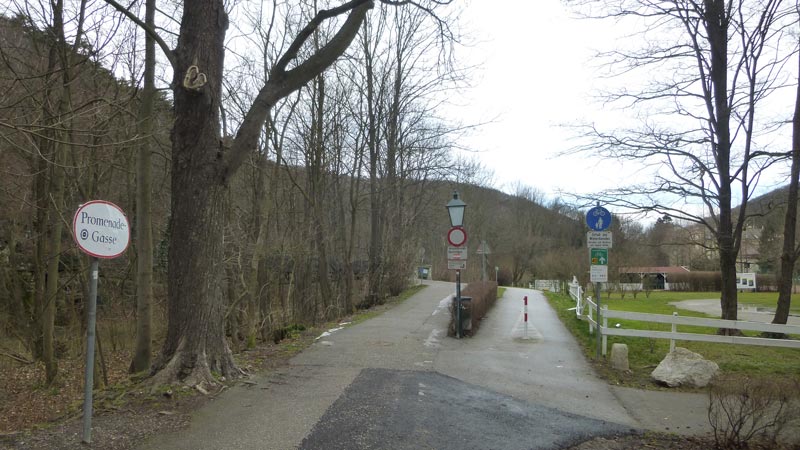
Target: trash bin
(423,272)
(466,314)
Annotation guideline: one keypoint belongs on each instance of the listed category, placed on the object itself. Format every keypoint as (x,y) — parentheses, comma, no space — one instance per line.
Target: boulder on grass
(619,357)
(683,367)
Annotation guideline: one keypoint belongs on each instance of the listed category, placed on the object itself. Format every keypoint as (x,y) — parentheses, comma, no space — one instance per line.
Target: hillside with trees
(334,209)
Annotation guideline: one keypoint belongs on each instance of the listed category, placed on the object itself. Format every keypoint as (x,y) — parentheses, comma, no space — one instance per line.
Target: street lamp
(455,208)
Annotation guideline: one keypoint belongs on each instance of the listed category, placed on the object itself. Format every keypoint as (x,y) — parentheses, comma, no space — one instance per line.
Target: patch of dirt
(654,441)
(36,417)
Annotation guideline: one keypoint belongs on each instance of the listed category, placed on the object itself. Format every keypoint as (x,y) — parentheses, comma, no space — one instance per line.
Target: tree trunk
(716,22)
(316,175)
(195,344)
(790,253)
(144,226)
(375,229)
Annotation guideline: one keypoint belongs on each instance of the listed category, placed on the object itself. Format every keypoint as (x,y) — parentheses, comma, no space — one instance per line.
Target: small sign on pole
(598,239)
(598,274)
(599,256)
(456,252)
(456,265)
(101,230)
(598,218)
(457,236)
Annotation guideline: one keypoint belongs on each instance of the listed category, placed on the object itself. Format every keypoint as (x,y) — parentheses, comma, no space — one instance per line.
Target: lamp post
(455,209)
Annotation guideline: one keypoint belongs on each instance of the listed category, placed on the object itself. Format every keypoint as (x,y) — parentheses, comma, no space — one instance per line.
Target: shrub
(484,294)
(766,282)
(752,413)
(504,277)
(696,282)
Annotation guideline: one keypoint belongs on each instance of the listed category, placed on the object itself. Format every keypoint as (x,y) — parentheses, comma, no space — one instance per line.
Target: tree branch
(164,47)
(282,83)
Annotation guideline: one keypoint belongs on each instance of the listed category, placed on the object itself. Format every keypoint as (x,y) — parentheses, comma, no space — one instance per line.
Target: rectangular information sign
(598,239)
(458,253)
(599,256)
(598,274)
(456,265)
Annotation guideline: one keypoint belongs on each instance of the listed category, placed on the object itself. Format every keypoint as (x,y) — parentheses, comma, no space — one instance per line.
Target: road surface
(397,382)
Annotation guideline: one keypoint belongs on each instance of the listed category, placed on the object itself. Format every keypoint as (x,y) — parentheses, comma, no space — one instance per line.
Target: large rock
(619,357)
(682,367)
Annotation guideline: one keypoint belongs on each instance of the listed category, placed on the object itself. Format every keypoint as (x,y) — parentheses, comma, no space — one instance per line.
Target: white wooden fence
(585,307)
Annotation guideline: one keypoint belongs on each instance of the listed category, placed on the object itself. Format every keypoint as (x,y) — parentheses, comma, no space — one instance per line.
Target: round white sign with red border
(457,236)
(101,229)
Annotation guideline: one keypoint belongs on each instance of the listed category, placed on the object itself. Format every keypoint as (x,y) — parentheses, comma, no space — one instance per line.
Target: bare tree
(790,251)
(719,60)
(202,168)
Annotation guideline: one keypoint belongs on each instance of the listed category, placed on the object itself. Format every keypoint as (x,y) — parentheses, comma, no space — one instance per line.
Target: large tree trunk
(144,226)
(717,27)
(195,344)
(790,253)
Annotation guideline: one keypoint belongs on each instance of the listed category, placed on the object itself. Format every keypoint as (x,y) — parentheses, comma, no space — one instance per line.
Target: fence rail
(584,308)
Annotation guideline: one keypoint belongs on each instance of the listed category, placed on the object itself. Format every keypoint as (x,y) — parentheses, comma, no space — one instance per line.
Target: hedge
(484,294)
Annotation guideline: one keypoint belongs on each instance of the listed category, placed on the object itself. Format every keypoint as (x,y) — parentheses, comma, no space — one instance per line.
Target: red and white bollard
(525,314)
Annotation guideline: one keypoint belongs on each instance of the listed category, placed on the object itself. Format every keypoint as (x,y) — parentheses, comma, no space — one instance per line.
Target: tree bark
(789,253)
(375,270)
(144,226)
(716,22)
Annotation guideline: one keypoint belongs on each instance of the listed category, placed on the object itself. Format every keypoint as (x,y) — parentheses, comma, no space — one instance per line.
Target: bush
(484,294)
(752,413)
(504,277)
(766,282)
(695,282)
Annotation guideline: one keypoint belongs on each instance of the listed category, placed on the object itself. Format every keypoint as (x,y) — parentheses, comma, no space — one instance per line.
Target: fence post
(674,330)
(591,327)
(605,327)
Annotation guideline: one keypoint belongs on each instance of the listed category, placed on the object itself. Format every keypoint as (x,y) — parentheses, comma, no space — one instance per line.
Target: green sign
(599,256)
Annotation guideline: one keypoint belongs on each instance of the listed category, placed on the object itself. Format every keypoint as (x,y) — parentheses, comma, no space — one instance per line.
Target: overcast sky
(536,74)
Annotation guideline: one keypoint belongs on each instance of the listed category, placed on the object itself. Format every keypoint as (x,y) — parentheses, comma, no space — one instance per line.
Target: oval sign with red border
(457,236)
(101,229)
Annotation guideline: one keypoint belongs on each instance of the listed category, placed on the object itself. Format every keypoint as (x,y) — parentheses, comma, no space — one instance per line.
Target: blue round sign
(598,218)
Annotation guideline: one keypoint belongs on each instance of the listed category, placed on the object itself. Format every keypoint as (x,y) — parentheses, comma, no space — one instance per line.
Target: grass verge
(644,354)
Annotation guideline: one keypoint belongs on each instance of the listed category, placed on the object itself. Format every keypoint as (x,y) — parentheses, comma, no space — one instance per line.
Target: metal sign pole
(598,331)
(90,339)
(458,304)
(483,261)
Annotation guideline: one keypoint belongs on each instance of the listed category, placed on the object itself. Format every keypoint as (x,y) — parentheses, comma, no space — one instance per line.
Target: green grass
(764,299)
(644,354)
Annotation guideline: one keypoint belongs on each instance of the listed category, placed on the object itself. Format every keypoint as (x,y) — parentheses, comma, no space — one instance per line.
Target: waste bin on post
(423,272)
(466,314)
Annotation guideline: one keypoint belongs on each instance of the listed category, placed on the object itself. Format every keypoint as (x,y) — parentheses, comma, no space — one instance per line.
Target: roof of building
(657,269)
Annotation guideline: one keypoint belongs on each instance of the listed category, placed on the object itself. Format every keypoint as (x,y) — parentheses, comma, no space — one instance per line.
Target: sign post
(101,231)
(457,260)
(599,241)
(483,250)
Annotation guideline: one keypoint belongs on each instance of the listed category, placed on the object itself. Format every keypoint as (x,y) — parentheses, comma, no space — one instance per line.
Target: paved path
(746,312)
(397,382)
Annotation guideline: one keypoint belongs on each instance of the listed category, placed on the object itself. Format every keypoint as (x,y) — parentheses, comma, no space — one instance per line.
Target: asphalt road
(397,382)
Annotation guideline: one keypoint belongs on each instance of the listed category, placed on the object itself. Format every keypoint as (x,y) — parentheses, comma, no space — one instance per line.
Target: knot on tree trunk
(194,80)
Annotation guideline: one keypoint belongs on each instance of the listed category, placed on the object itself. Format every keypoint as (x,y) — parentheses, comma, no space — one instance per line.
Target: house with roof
(635,278)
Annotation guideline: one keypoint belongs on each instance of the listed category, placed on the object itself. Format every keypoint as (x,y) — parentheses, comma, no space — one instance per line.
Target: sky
(536,75)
